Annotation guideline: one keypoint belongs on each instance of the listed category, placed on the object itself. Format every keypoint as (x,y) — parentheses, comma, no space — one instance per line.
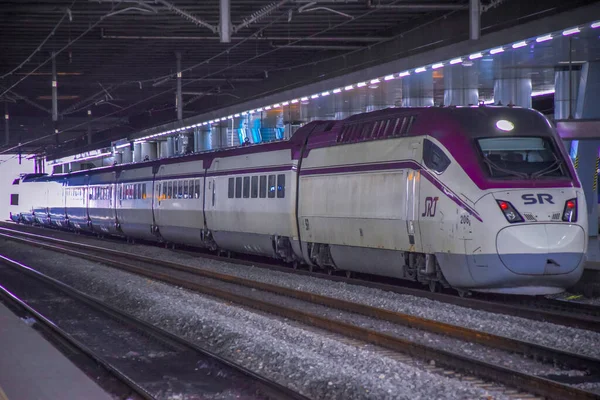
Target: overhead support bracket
(184,14)
(6,125)
(475,19)
(418,6)
(179,99)
(225,25)
(54,90)
(260,14)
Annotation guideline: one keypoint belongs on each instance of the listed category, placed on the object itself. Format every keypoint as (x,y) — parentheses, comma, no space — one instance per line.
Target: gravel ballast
(316,365)
(547,334)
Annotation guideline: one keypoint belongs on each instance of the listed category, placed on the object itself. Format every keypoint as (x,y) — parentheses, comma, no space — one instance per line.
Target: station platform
(31,368)
(593,254)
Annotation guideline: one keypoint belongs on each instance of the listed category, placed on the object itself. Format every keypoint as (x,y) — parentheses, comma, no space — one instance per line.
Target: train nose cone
(541,249)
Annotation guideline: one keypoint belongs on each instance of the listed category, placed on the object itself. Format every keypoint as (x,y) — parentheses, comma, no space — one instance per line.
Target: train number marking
(430,206)
(465,220)
(541,198)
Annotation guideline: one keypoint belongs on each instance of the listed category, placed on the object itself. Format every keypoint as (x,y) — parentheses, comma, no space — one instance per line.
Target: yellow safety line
(3,395)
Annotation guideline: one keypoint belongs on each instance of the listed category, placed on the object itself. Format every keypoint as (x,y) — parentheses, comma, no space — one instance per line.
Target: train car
(179,202)
(134,202)
(76,202)
(21,198)
(474,198)
(250,200)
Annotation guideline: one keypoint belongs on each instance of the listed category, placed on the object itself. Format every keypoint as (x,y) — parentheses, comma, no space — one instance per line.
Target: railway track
(139,354)
(570,314)
(252,294)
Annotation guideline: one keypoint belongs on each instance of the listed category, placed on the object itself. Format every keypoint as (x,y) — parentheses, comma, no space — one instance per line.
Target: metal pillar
(179,99)
(89,127)
(565,99)
(475,19)
(515,91)
(589,92)
(587,156)
(127,156)
(137,152)
(54,97)
(417,90)
(6,125)
(225,25)
(461,86)
(170,146)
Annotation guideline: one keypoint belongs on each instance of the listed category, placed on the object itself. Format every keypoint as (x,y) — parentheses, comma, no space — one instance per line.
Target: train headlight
(570,211)
(510,213)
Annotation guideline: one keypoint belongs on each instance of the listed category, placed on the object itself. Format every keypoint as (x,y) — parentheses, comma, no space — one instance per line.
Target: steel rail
(530,383)
(585,321)
(272,389)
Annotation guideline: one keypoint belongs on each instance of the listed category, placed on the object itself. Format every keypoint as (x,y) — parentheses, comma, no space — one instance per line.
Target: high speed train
(474,198)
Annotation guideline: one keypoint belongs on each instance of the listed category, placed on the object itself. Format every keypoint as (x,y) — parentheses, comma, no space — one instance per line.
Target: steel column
(225,26)
(89,127)
(565,98)
(179,99)
(589,92)
(515,91)
(6,125)
(461,85)
(54,98)
(417,90)
(475,19)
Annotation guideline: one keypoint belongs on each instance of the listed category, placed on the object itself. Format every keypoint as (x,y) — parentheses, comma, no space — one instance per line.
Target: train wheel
(463,293)
(329,271)
(295,265)
(348,274)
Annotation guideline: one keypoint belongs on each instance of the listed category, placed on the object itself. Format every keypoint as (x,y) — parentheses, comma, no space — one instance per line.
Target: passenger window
(280,186)
(263,186)
(170,190)
(186,189)
(138,191)
(179,189)
(434,157)
(409,124)
(254,187)
(231,189)
(164,190)
(238,187)
(197,189)
(143,191)
(246,187)
(271,186)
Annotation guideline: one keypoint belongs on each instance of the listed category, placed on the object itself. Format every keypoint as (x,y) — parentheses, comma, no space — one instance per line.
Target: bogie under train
(474,198)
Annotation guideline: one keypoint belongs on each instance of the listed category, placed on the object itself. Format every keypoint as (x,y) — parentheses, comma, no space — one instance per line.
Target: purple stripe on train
(392,166)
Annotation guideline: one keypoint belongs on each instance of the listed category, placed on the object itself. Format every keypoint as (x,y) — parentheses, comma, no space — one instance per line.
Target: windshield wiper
(506,171)
(551,168)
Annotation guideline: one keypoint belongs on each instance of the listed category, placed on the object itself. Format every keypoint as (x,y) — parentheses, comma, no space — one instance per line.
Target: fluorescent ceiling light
(361,84)
(211,121)
(276,105)
(374,81)
(267,107)
(475,56)
(294,101)
(326,93)
(259,110)
(456,61)
(205,123)
(421,69)
(544,38)
(571,31)
(285,103)
(121,146)
(519,44)
(497,50)
(236,115)
(389,77)
(314,96)
(230,117)
(438,65)
(403,74)
(542,92)
(223,118)
(338,90)
(349,87)
(304,99)
(595,25)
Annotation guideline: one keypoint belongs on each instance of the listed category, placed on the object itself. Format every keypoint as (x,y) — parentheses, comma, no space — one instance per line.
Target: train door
(413,180)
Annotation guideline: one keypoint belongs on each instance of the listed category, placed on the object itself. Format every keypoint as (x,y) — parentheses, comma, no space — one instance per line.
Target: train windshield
(521,157)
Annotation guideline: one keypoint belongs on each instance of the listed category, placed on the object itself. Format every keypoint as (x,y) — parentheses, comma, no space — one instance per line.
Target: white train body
(481,199)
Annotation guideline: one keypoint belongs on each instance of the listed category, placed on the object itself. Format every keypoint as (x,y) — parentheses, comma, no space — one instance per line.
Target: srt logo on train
(541,198)
(430,206)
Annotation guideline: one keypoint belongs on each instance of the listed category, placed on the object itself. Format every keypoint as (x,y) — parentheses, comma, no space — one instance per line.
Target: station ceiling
(116,58)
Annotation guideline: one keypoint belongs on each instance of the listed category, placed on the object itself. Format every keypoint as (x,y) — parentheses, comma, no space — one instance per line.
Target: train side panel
(133,197)
(178,202)
(250,203)
(101,203)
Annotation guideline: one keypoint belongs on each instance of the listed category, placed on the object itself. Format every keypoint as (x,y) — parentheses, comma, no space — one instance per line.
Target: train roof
(447,124)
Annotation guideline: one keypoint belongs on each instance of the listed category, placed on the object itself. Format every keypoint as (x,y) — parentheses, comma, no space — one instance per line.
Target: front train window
(521,157)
